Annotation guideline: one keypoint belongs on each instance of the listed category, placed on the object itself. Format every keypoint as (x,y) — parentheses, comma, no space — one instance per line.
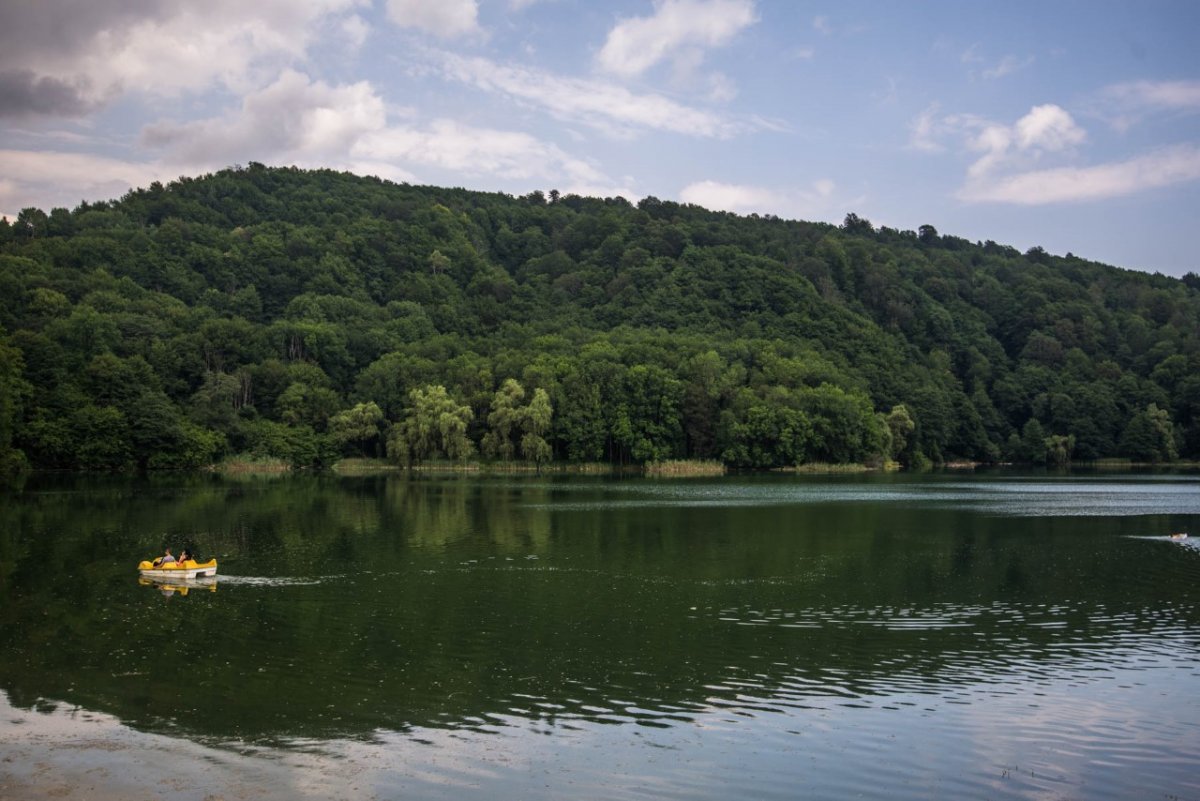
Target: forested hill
(311,314)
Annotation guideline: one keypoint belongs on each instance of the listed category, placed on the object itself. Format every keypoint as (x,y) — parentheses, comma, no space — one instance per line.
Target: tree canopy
(312,314)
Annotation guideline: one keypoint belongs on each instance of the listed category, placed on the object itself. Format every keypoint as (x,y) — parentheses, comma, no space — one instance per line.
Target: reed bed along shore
(362,466)
(244,465)
(359,466)
(827,467)
(685,468)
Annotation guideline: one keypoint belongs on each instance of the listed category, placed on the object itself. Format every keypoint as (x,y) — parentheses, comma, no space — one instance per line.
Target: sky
(1073,125)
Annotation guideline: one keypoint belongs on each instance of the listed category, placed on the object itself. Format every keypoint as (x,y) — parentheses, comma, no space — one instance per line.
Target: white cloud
(1007,169)
(294,120)
(889,95)
(1165,95)
(1048,127)
(386,170)
(307,123)
(1124,105)
(994,141)
(821,25)
(1045,129)
(730,197)
(356,30)
(299,121)
(1158,169)
(604,189)
(603,105)
(677,28)
(1007,66)
(744,199)
(925,130)
(50,167)
(445,19)
(91,53)
(449,145)
(721,88)
(46,179)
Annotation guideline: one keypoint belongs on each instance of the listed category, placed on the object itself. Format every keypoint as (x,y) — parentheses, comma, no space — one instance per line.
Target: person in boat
(164,559)
(185,555)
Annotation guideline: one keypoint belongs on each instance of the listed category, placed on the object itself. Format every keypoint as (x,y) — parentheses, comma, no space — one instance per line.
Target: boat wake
(1186,541)
(272,581)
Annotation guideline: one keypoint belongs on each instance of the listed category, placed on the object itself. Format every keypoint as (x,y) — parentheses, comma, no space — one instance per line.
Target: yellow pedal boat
(188,569)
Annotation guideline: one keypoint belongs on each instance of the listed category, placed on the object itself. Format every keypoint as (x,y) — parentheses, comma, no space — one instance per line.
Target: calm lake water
(989,635)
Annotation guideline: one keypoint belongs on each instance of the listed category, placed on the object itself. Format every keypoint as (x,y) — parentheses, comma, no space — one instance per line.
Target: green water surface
(949,635)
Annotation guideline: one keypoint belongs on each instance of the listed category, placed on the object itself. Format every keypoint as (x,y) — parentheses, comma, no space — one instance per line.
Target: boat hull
(188,570)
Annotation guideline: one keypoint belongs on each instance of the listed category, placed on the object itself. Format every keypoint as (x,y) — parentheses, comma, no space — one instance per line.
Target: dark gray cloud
(41,42)
(35,29)
(69,57)
(23,94)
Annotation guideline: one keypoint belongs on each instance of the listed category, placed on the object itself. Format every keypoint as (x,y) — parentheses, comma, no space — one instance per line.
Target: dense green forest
(309,315)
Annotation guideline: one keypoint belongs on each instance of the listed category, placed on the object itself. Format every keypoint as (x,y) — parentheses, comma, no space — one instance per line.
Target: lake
(945,635)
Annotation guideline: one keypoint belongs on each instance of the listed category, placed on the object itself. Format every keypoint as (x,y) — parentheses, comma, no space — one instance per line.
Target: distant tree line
(310,315)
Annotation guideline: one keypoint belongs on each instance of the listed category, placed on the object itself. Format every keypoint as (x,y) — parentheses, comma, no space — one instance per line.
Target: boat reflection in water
(169,587)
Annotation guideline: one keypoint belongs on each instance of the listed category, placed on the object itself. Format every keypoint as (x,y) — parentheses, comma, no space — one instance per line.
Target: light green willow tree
(435,425)
(358,425)
(535,422)
(505,416)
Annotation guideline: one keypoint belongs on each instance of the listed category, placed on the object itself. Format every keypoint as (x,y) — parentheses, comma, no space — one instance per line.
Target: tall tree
(1149,437)
(435,425)
(14,390)
(503,420)
(358,426)
(535,423)
(900,425)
